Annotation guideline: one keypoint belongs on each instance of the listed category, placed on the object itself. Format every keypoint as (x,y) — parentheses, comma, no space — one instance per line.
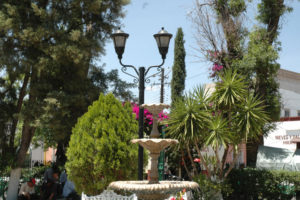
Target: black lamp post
(163,39)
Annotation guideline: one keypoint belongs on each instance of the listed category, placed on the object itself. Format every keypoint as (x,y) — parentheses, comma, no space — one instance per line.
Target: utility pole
(162,85)
(161,159)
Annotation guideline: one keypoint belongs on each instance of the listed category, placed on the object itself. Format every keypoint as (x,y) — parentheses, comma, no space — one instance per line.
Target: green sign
(161,159)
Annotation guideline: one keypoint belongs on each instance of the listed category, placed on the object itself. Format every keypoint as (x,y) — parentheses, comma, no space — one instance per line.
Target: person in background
(69,191)
(48,175)
(63,178)
(50,191)
(27,190)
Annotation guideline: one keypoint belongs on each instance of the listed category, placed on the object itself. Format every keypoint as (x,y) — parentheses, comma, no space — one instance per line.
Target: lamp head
(119,38)
(163,39)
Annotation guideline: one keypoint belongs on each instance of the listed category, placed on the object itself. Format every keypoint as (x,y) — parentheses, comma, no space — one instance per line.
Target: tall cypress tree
(179,72)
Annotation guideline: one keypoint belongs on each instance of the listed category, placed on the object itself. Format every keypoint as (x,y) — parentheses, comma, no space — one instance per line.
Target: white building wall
(290,100)
(289,88)
(37,153)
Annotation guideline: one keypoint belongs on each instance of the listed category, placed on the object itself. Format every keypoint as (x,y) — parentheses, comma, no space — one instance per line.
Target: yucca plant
(225,120)
(230,90)
(251,117)
(187,120)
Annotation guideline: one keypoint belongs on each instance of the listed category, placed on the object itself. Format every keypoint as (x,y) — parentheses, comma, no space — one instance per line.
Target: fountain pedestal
(154,146)
(153,173)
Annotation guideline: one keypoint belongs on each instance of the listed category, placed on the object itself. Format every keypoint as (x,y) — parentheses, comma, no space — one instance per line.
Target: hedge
(251,183)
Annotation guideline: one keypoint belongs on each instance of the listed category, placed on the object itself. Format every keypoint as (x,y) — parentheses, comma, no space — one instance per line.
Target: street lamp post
(162,39)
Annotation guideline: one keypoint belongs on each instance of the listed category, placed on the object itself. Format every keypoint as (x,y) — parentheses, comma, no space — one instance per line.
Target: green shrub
(251,183)
(35,172)
(209,189)
(100,150)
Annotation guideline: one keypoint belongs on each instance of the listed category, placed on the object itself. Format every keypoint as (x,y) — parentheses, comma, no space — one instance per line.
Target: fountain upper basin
(155,145)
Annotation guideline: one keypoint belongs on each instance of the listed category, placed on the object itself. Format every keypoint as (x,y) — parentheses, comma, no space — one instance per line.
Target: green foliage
(271,9)
(259,60)
(230,116)
(100,150)
(208,188)
(219,134)
(35,172)
(253,53)
(230,90)
(178,69)
(250,183)
(187,119)
(245,111)
(251,117)
(236,7)
(47,55)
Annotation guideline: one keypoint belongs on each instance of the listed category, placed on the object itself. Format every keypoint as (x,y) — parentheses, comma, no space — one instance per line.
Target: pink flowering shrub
(215,69)
(148,118)
(215,57)
(147,115)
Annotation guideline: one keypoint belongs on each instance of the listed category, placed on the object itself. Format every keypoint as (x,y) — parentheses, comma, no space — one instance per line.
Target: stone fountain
(153,189)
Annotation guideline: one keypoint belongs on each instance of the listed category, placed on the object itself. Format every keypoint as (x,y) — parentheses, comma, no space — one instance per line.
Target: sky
(145,18)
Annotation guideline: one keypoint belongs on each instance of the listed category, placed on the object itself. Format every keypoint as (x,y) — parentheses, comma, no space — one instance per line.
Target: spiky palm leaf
(230,90)
(201,95)
(186,120)
(251,117)
(219,134)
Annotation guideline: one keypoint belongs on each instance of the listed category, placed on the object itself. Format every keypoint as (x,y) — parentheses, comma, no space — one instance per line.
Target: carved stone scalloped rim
(155,107)
(163,187)
(155,145)
(154,140)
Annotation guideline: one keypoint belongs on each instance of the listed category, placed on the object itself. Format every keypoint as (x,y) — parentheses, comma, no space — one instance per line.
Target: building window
(298,145)
(286,113)
(298,113)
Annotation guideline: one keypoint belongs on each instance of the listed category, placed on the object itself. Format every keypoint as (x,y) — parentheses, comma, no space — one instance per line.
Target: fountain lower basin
(153,189)
(158,191)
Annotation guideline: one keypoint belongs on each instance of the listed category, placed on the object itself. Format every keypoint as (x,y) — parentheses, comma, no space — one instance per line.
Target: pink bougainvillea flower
(147,115)
(216,67)
(197,160)
(173,198)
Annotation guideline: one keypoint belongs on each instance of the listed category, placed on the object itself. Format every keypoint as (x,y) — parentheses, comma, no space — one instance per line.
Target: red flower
(197,160)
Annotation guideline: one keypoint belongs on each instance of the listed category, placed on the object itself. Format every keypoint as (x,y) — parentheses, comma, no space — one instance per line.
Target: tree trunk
(191,160)
(27,134)
(185,167)
(61,154)
(18,110)
(252,149)
(15,173)
(202,160)
(235,157)
(276,9)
